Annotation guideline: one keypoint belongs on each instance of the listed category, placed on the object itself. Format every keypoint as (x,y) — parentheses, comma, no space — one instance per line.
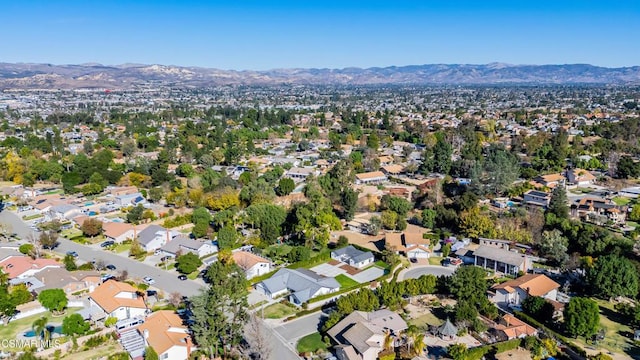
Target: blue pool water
(55,329)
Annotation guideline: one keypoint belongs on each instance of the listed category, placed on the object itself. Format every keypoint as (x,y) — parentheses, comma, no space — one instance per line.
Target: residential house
(184,244)
(580,177)
(514,291)
(353,257)
(393,170)
(129,199)
(164,331)
(411,243)
(64,211)
(118,232)
(369,178)
(500,260)
(498,243)
(71,282)
(599,211)
(154,237)
(119,300)
(551,180)
(302,284)
(20,266)
(361,335)
(536,197)
(509,327)
(299,174)
(252,264)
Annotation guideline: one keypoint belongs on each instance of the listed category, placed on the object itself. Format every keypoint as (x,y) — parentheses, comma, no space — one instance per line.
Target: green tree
(469,283)
(26,249)
(475,224)
(349,202)
(299,253)
(227,237)
(91,227)
(457,351)
(134,216)
(558,205)
(446,249)
(54,300)
(74,324)
(613,276)
(220,311)
(39,327)
(554,246)
(150,354)
(442,152)
(581,317)
(634,215)
(627,168)
(429,218)
(396,204)
(70,263)
(285,186)
(188,263)
(269,219)
(389,219)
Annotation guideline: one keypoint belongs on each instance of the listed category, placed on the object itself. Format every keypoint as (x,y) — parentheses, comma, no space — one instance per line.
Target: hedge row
(522,316)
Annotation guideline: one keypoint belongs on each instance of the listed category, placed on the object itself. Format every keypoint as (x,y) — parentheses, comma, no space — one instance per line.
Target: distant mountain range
(47,76)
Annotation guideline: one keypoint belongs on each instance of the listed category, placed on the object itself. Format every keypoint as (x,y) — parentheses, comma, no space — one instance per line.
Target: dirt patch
(517,354)
(333,262)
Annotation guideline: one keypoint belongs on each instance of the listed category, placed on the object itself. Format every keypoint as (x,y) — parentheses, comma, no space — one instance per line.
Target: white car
(148,280)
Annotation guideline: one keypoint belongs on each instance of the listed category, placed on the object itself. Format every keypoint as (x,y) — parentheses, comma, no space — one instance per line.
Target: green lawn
(311,343)
(382,264)
(11,330)
(435,260)
(278,311)
(193,275)
(632,224)
(618,337)
(71,233)
(121,248)
(425,320)
(620,200)
(345,281)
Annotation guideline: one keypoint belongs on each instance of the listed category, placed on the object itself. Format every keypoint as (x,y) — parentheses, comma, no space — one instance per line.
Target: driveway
(415,272)
(165,281)
(368,275)
(328,270)
(293,330)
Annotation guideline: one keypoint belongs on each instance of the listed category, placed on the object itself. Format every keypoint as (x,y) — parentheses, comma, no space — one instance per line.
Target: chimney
(145,333)
(168,237)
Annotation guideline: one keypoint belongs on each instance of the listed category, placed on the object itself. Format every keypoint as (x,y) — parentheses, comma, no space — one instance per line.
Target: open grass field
(618,337)
(425,320)
(345,281)
(311,343)
(621,200)
(278,311)
(435,260)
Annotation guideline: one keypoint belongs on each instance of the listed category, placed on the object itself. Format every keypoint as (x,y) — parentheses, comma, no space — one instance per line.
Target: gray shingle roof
(351,252)
(147,235)
(302,283)
(496,254)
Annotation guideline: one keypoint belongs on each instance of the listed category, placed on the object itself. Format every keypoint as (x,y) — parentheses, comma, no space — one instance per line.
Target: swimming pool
(50,328)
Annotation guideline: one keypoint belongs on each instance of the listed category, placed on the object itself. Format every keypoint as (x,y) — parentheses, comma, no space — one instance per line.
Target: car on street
(110,267)
(107,243)
(152,293)
(148,280)
(72,253)
(182,277)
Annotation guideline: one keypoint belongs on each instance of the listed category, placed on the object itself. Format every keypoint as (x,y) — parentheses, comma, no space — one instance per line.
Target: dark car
(110,267)
(51,246)
(182,277)
(107,243)
(72,253)
(152,293)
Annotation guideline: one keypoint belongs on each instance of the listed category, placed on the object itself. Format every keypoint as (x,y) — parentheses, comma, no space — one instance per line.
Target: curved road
(415,272)
(165,281)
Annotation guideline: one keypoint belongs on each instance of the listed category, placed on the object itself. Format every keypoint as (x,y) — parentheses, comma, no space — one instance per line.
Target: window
(164,356)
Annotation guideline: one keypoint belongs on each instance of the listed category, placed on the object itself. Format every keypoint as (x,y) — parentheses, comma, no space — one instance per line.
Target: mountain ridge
(95,75)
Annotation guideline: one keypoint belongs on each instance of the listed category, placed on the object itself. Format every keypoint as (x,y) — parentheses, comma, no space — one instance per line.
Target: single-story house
(299,174)
(129,199)
(20,266)
(183,244)
(353,257)
(410,243)
(65,211)
(500,260)
(119,232)
(302,284)
(514,291)
(536,197)
(369,178)
(361,335)
(70,282)
(252,264)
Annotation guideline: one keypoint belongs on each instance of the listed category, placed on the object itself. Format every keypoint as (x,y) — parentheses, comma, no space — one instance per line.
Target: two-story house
(164,331)
(513,292)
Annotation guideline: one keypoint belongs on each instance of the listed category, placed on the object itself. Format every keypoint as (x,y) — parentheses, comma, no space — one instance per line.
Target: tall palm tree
(415,340)
(39,328)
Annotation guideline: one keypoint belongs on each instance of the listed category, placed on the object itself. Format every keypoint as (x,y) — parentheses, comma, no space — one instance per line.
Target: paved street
(280,349)
(415,272)
(294,330)
(165,281)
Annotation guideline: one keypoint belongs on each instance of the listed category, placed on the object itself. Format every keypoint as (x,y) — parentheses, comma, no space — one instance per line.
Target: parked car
(152,293)
(107,243)
(110,267)
(148,280)
(107,277)
(182,277)
(72,253)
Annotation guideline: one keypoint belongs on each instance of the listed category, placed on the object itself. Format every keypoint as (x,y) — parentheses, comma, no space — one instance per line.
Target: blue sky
(254,34)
